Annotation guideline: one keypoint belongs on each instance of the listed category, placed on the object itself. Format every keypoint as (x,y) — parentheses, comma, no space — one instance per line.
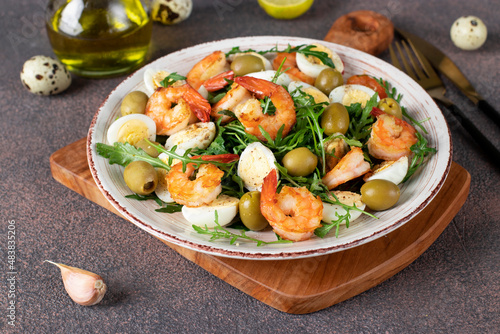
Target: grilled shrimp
(294,213)
(189,106)
(206,185)
(351,166)
(210,66)
(391,138)
(235,96)
(250,113)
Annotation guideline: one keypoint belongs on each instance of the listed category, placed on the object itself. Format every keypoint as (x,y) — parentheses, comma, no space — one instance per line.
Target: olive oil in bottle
(99,38)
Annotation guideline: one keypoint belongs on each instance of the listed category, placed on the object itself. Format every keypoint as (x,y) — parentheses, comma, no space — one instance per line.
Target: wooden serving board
(302,285)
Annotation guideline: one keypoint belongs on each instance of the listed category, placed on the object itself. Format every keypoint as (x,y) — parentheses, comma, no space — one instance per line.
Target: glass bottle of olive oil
(99,38)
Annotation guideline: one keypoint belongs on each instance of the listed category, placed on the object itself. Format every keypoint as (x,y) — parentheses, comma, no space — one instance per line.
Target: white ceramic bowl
(415,194)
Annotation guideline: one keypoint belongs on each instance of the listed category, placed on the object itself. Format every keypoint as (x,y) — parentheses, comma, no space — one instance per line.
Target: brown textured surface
(452,288)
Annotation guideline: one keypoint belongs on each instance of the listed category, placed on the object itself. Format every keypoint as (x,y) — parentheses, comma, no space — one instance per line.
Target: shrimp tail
(259,87)
(269,186)
(198,104)
(219,81)
(376,112)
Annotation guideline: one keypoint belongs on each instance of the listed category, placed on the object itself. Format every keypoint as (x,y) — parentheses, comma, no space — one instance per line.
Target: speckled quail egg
(312,66)
(256,161)
(330,211)
(226,207)
(43,75)
(468,32)
(350,94)
(171,11)
(317,95)
(132,129)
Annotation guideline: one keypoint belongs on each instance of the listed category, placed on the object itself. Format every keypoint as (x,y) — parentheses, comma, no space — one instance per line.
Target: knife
(445,65)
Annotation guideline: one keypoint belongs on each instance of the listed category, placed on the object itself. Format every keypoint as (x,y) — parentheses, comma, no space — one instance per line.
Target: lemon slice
(285,9)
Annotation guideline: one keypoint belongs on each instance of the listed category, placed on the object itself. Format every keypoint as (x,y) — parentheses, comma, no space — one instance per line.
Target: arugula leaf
(330,197)
(171,79)
(308,116)
(217,146)
(236,50)
(219,232)
(360,129)
(165,207)
(306,50)
(421,150)
(393,94)
(170,208)
(145,198)
(124,153)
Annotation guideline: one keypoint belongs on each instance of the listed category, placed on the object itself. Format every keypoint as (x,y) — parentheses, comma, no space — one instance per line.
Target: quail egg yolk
(355,96)
(317,95)
(133,131)
(317,47)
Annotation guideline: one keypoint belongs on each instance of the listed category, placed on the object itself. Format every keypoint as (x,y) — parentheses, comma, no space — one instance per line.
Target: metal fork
(420,70)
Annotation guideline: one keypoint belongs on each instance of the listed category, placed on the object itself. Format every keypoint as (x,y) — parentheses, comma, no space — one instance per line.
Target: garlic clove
(84,287)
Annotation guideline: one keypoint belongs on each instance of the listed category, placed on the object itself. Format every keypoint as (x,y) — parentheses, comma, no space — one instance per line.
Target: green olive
(134,103)
(391,107)
(328,79)
(379,195)
(245,64)
(150,150)
(335,119)
(141,177)
(250,214)
(300,161)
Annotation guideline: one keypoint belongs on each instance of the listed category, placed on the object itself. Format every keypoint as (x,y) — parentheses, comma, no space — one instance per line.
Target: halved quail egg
(256,161)
(283,78)
(154,77)
(332,211)
(312,66)
(394,171)
(131,129)
(350,94)
(226,207)
(198,135)
(317,95)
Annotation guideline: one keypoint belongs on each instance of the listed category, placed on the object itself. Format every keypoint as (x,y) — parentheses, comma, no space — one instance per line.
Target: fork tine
(416,67)
(394,58)
(426,66)
(407,67)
